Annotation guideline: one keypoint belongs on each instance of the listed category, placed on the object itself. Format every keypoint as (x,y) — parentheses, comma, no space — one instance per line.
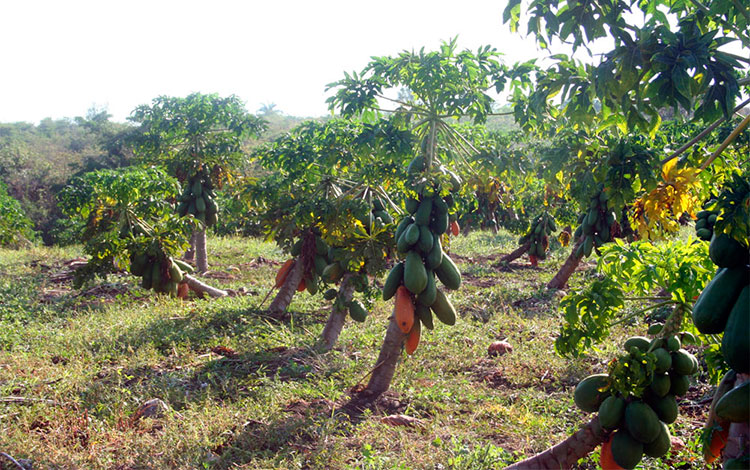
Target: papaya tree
(325,201)
(198,139)
(676,59)
(127,222)
(445,85)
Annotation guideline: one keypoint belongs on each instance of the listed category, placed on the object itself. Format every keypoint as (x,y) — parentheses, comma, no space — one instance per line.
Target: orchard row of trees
(383,186)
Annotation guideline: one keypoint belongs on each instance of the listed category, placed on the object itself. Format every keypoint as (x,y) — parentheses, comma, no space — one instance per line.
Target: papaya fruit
(425,240)
(200,204)
(296,248)
(611,412)
(411,235)
(661,445)
(640,342)
(439,205)
(740,463)
(138,264)
(191,208)
(422,216)
(734,406)
(320,263)
(448,273)
(311,284)
(211,206)
(439,223)
(411,205)
(642,422)
(665,408)
(627,452)
(183,265)
(171,288)
(330,294)
(425,316)
(715,443)
(302,285)
(402,246)
(332,273)
(673,344)
(711,310)
(415,274)
(403,225)
(283,273)
(663,360)
(704,234)
(682,363)
(427,296)
(443,308)
(606,460)
(660,385)
(591,392)
(726,252)
(357,311)
(175,274)
(735,345)
(404,310)
(455,229)
(321,248)
(588,245)
(156,277)
(197,189)
(417,165)
(412,339)
(393,281)
(678,384)
(435,257)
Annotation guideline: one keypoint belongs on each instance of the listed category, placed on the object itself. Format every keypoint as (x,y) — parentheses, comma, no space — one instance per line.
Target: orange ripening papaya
(404,309)
(301,286)
(455,229)
(533,260)
(412,339)
(719,438)
(606,460)
(283,273)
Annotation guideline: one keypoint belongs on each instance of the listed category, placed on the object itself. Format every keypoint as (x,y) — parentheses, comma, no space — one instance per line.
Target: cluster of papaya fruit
(413,281)
(198,199)
(704,224)
(636,399)
(158,271)
(538,234)
(724,304)
(322,264)
(595,224)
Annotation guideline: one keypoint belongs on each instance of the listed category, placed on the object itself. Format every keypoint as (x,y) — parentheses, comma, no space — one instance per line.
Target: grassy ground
(82,362)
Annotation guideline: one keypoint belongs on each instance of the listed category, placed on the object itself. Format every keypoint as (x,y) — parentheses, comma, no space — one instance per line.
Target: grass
(84,361)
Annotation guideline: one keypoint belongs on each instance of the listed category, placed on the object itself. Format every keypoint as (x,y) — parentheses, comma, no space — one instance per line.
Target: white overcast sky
(61,57)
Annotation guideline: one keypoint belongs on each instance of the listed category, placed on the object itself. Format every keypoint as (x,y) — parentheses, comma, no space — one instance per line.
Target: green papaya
(704,234)
(138,264)
(611,412)
(357,311)
(184,266)
(439,205)
(211,206)
(412,234)
(661,445)
(402,226)
(626,451)
(332,273)
(726,252)
(427,297)
(735,345)
(435,257)
(443,309)
(296,248)
(711,310)
(683,363)
(320,264)
(660,385)
(679,384)
(591,392)
(393,281)
(417,165)
(663,360)
(588,245)
(734,406)
(156,277)
(200,204)
(330,294)
(411,205)
(175,273)
(640,342)
(439,223)
(402,246)
(448,273)
(321,248)
(642,422)
(425,240)
(425,315)
(197,189)
(422,216)
(665,408)
(415,274)
(191,208)
(740,463)
(171,288)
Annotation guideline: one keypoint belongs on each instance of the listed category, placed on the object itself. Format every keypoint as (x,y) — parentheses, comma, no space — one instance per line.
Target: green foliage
(646,69)
(588,315)
(188,134)
(734,203)
(15,226)
(641,268)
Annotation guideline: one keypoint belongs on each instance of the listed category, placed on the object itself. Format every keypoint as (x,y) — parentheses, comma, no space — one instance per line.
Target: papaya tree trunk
(565,454)
(567,269)
(287,290)
(190,253)
(738,442)
(201,256)
(337,317)
(202,288)
(517,253)
(385,367)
